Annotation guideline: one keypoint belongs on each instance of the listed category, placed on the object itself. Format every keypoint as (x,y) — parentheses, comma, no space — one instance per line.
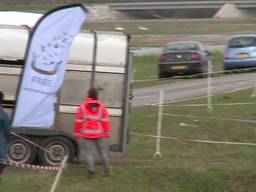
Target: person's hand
(76,136)
(102,139)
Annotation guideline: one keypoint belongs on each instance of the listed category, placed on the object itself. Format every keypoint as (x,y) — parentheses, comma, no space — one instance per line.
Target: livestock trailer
(99,59)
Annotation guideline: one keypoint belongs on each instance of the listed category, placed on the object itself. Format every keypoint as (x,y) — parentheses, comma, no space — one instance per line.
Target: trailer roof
(19,18)
(111,46)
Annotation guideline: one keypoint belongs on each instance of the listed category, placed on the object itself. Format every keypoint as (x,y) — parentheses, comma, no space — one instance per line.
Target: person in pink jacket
(92,124)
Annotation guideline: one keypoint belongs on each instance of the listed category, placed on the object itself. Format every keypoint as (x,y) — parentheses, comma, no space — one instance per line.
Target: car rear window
(242,42)
(182,47)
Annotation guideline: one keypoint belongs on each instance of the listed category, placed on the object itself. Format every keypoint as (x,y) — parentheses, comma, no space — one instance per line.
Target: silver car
(183,58)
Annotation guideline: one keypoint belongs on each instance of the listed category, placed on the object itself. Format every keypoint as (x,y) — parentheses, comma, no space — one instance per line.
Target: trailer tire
(21,151)
(58,148)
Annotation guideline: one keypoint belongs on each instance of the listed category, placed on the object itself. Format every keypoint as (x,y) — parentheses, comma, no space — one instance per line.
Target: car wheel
(162,75)
(21,151)
(56,148)
(227,70)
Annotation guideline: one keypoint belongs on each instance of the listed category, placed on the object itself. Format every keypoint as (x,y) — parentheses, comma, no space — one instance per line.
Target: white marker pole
(159,124)
(209,86)
(253,92)
(57,178)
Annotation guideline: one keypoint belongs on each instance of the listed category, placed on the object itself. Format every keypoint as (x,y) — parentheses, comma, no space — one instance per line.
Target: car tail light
(225,55)
(195,56)
(163,58)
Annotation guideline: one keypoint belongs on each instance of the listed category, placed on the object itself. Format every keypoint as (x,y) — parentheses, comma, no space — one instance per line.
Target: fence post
(253,92)
(209,86)
(159,124)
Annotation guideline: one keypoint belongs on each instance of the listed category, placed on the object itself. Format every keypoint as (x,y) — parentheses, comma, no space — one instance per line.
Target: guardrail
(179,5)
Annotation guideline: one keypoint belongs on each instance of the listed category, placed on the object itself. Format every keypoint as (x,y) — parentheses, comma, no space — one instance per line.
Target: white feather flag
(45,66)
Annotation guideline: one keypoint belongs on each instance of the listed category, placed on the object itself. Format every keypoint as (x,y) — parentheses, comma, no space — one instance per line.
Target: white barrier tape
(210,118)
(235,70)
(29,166)
(182,100)
(198,117)
(240,89)
(235,90)
(216,104)
(196,140)
(196,75)
(168,103)
(175,101)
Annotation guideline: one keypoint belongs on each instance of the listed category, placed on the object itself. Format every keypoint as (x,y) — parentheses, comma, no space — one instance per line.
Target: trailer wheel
(20,151)
(56,149)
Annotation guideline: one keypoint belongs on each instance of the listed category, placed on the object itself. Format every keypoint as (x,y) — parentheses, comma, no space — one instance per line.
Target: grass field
(180,26)
(185,166)
(161,31)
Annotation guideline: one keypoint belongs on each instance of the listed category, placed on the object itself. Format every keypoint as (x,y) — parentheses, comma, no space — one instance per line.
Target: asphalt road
(193,88)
